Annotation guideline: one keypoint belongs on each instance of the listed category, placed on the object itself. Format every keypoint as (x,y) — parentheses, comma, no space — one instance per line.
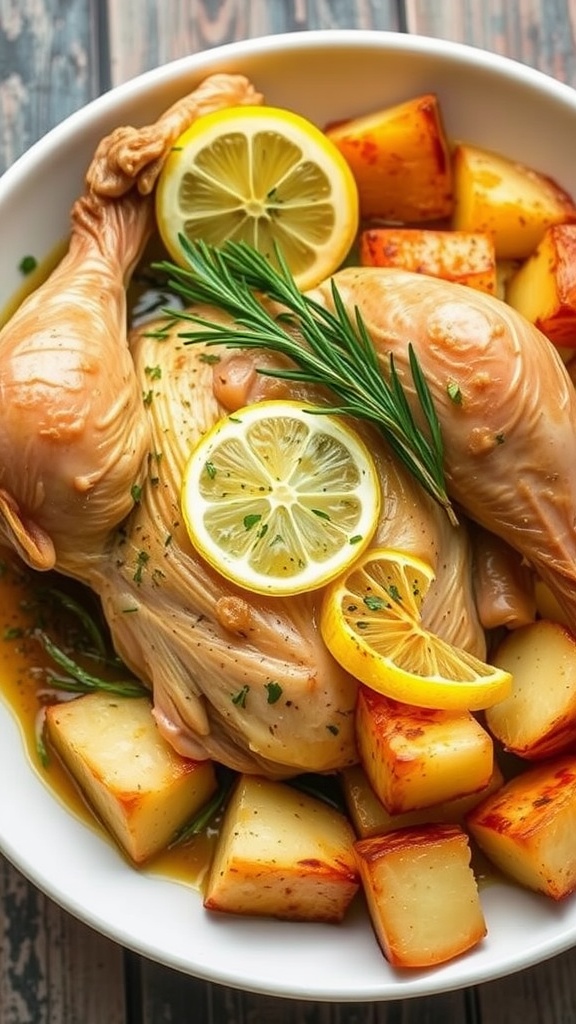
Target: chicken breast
(210,651)
(506,404)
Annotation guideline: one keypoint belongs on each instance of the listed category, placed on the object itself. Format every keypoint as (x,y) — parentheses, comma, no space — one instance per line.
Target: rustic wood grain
(543,995)
(541,33)
(144,35)
(53,969)
(166,997)
(48,67)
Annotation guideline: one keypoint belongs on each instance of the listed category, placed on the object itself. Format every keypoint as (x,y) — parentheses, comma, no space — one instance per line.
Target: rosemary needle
(328,348)
(78,680)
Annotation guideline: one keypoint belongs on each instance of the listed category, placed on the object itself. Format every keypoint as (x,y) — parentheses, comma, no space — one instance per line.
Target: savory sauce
(32,280)
(25,686)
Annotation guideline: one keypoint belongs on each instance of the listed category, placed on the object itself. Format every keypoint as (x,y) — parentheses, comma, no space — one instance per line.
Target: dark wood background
(55,55)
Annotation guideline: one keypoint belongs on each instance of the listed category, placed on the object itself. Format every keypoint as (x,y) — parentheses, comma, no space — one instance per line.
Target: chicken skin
(73,433)
(506,405)
(209,650)
(96,427)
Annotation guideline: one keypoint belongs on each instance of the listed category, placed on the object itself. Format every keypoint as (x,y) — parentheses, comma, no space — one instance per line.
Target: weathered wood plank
(537,32)
(166,997)
(144,34)
(543,995)
(48,68)
(52,967)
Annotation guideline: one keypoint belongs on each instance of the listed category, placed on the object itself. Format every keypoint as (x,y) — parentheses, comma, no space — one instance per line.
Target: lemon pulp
(264,176)
(280,499)
(370,621)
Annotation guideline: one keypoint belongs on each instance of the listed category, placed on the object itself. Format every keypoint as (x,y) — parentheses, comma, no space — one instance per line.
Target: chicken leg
(73,432)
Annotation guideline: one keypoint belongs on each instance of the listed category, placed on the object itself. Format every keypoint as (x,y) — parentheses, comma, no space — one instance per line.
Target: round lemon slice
(280,499)
(265,176)
(370,621)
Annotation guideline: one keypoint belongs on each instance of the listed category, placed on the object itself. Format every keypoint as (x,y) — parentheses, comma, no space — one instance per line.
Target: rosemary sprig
(85,619)
(328,348)
(78,680)
(208,812)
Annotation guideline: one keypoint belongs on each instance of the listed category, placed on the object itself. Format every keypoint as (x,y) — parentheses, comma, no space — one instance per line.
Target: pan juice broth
(25,688)
(23,663)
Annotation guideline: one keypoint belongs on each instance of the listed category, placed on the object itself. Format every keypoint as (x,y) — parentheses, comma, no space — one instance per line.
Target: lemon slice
(265,176)
(280,499)
(370,621)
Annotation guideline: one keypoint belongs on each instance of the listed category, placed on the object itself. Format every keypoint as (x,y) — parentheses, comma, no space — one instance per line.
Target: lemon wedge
(279,499)
(370,621)
(262,175)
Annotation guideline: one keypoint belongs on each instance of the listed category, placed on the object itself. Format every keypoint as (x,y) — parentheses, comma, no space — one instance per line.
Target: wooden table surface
(55,55)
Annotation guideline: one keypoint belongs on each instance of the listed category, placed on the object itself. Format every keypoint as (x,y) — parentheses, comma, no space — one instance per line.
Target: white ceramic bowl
(324,75)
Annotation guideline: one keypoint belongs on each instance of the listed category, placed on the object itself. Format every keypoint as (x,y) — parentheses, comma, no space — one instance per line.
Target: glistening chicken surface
(93,489)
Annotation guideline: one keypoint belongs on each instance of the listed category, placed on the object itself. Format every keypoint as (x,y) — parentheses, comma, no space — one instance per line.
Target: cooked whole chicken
(90,471)
(199,641)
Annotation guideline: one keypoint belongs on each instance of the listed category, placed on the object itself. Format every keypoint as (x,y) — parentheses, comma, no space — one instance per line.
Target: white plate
(326,75)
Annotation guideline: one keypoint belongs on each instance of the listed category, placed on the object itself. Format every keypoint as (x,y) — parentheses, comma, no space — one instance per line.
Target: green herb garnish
(206,815)
(27,264)
(330,349)
(78,680)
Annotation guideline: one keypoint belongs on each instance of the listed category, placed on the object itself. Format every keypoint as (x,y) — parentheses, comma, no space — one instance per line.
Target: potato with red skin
(370,818)
(538,718)
(419,757)
(465,257)
(421,893)
(527,828)
(544,288)
(282,853)
(513,202)
(400,158)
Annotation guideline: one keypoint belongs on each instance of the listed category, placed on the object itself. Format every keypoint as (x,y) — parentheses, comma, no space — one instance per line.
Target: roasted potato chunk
(140,788)
(527,828)
(544,288)
(370,818)
(421,893)
(538,719)
(511,201)
(282,853)
(400,159)
(464,257)
(417,757)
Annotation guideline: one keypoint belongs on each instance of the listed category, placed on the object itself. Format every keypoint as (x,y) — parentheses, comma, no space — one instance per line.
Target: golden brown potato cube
(515,203)
(282,853)
(538,719)
(400,159)
(461,256)
(421,893)
(370,818)
(139,787)
(417,757)
(544,288)
(527,828)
